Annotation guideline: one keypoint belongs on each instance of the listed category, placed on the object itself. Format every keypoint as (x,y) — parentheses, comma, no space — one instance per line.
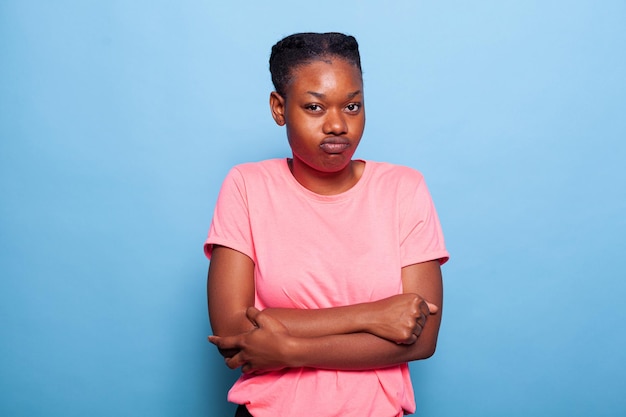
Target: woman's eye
(353,107)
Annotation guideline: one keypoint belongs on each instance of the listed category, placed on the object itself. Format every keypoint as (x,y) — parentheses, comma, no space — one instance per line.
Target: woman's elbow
(424,351)
(430,351)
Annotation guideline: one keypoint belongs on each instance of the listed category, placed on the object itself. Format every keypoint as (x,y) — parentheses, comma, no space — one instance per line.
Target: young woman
(325,275)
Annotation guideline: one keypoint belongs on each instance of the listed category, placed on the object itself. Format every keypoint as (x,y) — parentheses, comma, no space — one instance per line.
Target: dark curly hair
(302,48)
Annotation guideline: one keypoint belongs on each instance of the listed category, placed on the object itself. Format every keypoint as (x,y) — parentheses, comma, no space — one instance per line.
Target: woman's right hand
(262,349)
(399,318)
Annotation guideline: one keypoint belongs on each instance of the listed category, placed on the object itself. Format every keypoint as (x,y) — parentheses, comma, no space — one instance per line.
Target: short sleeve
(421,237)
(230,226)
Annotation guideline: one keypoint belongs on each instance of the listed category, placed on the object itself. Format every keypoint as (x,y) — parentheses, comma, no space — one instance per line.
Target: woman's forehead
(326,74)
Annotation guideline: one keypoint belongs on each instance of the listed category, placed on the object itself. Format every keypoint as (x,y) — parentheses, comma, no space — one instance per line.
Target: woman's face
(324,114)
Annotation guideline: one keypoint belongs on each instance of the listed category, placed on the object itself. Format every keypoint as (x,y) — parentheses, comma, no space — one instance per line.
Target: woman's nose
(335,123)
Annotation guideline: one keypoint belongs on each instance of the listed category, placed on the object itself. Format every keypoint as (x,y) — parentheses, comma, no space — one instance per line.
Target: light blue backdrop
(119,120)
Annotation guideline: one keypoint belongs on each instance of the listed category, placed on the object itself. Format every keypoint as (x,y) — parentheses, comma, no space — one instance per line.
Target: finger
(236,361)
(421,320)
(252,313)
(412,339)
(418,331)
(229,342)
(432,308)
(246,368)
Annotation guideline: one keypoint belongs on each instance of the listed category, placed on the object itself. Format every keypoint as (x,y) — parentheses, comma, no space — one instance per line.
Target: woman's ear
(277,105)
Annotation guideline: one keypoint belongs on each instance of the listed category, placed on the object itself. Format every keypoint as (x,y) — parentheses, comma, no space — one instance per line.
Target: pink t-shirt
(314,251)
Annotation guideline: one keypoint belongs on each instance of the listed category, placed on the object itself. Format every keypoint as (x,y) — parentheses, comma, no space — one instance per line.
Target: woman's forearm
(358,351)
(270,347)
(394,318)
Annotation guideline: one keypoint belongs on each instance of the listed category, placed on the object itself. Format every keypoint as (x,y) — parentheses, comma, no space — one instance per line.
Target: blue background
(119,120)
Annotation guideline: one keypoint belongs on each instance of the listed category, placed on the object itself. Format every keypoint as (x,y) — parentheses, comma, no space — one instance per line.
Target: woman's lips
(335,145)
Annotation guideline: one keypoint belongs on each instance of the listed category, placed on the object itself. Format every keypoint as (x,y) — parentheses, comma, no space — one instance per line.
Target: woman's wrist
(365,317)
(295,352)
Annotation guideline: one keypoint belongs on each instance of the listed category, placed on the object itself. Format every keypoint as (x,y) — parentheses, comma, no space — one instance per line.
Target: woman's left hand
(262,349)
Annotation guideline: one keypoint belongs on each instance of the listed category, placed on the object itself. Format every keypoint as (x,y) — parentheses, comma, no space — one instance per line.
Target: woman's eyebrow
(322,96)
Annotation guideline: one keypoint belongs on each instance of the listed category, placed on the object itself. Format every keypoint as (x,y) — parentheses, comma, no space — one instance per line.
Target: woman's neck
(326,183)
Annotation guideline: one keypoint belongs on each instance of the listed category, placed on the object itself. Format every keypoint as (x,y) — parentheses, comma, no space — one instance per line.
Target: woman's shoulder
(258,169)
(264,165)
(387,171)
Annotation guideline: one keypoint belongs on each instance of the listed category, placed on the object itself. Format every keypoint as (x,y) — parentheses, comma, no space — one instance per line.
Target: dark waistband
(242,411)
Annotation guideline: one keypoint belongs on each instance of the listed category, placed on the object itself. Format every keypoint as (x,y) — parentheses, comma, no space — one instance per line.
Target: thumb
(216,340)
(432,308)
(252,313)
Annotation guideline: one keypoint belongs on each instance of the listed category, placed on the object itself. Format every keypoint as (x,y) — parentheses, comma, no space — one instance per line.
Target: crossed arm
(369,335)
